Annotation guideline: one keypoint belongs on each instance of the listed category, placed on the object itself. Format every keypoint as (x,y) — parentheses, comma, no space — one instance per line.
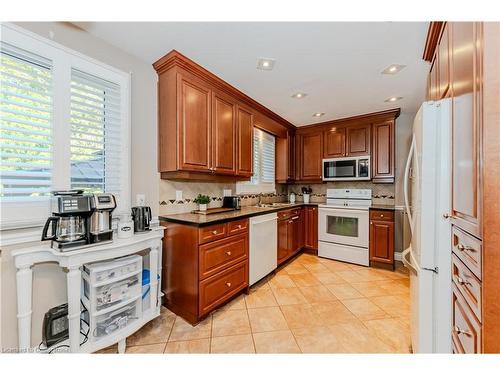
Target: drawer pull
(463,282)
(214,232)
(381,215)
(228,253)
(228,285)
(465,248)
(461,331)
(295,218)
(239,226)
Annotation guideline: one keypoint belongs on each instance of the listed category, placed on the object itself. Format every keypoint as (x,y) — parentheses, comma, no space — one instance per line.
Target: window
(263,177)
(64,124)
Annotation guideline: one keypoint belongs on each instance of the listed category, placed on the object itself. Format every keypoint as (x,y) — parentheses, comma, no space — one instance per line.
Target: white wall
(49,281)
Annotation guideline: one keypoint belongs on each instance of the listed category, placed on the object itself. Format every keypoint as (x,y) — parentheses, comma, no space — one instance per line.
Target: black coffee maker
(142,218)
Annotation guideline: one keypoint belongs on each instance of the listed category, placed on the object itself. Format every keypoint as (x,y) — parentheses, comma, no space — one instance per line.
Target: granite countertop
(246,211)
(386,207)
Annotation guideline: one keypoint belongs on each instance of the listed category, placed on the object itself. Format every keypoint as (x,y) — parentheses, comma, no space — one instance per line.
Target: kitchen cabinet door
(285,158)
(311,229)
(382,241)
(194,124)
(335,142)
(358,140)
(283,241)
(310,149)
(383,152)
(466,88)
(223,134)
(299,231)
(245,142)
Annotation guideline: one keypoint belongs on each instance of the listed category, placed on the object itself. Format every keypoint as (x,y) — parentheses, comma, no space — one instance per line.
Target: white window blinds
(95,134)
(264,153)
(25,125)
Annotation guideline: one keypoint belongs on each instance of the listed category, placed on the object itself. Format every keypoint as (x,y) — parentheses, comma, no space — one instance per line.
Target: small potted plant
(306,191)
(203,201)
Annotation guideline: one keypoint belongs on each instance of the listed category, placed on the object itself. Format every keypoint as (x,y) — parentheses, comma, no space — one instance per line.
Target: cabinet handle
(228,285)
(239,226)
(228,253)
(214,232)
(461,331)
(462,247)
(462,281)
(295,218)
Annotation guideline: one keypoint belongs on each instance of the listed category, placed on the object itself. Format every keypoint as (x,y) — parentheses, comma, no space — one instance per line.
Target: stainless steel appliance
(347,169)
(343,225)
(142,218)
(69,224)
(233,202)
(102,206)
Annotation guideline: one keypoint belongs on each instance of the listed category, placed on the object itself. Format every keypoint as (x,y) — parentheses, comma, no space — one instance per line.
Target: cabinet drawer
(466,330)
(467,284)
(282,215)
(468,249)
(212,233)
(382,215)
(237,226)
(222,286)
(217,256)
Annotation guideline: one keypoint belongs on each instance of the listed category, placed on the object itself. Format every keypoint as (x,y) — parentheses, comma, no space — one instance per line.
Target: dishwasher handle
(264,221)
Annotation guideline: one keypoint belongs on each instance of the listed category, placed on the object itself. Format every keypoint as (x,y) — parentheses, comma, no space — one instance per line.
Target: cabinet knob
(459,331)
(228,253)
(239,226)
(462,281)
(228,285)
(462,247)
(214,232)
(381,215)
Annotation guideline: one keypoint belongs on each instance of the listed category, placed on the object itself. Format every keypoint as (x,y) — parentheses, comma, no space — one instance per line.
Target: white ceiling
(337,64)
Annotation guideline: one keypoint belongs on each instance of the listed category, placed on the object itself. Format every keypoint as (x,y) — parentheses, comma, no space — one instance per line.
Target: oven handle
(342,210)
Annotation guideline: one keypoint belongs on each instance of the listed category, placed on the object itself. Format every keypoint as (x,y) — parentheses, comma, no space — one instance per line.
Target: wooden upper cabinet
(467,114)
(223,134)
(310,156)
(383,152)
(335,142)
(245,141)
(443,52)
(194,124)
(285,158)
(358,140)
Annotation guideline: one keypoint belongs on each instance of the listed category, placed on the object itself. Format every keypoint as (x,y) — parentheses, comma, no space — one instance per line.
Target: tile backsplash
(381,193)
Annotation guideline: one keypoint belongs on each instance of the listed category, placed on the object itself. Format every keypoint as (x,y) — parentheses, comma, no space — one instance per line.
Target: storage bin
(146,288)
(102,272)
(112,293)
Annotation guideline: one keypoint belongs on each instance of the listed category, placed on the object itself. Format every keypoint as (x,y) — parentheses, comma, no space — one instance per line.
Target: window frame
(25,214)
(248,187)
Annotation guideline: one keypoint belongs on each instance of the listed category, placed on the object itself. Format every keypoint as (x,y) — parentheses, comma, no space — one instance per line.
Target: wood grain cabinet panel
(218,255)
(283,244)
(310,151)
(381,238)
(212,233)
(335,142)
(466,73)
(311,229)
(194,127)
(466,330)
(468,249)
(223,134)
(443,52)
(237,227)
(468,284)
(358,140)
(285,158)
(245,142)
(383,152)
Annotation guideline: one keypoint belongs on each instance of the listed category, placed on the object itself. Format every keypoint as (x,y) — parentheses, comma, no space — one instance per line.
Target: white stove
(343,225)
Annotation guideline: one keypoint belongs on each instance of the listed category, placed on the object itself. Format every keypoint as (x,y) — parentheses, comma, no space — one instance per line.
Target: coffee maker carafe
(100,222)
(71,211)
(142,218)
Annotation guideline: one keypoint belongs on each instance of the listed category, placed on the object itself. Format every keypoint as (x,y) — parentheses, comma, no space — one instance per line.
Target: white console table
(26,258)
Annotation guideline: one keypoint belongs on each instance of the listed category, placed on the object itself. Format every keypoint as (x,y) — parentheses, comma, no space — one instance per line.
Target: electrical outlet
(140,199)
(178,195)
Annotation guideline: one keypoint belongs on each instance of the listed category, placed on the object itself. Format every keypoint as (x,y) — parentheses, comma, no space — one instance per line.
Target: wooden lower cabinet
(466,329)
(382,238)
(311,229)
(203,267)
(291,233)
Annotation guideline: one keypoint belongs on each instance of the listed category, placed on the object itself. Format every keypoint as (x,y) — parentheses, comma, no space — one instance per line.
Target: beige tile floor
(311,305)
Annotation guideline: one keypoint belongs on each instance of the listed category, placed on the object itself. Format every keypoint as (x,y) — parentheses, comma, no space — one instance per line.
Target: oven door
(343,226)
(339,169)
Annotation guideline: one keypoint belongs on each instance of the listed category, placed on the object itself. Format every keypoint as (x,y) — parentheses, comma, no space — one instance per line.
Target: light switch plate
(178,195)
(227,192)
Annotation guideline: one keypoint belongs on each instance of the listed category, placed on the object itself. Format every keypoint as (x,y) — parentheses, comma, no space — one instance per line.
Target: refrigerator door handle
(405,181)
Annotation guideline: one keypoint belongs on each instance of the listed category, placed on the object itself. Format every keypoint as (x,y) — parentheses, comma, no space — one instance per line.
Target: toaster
(232,202)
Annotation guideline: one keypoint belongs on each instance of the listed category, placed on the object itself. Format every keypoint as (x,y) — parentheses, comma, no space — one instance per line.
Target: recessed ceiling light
(299,95)
(393,69)
(265,63)
(393,99)
(318,114)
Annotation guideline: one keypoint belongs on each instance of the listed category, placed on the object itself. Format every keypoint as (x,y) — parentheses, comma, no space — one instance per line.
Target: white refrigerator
(427,191)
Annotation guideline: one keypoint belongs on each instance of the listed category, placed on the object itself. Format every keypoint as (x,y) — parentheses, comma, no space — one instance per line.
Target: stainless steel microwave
(347,169)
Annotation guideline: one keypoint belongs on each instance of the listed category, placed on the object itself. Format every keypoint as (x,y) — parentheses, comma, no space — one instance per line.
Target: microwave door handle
(405,182)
